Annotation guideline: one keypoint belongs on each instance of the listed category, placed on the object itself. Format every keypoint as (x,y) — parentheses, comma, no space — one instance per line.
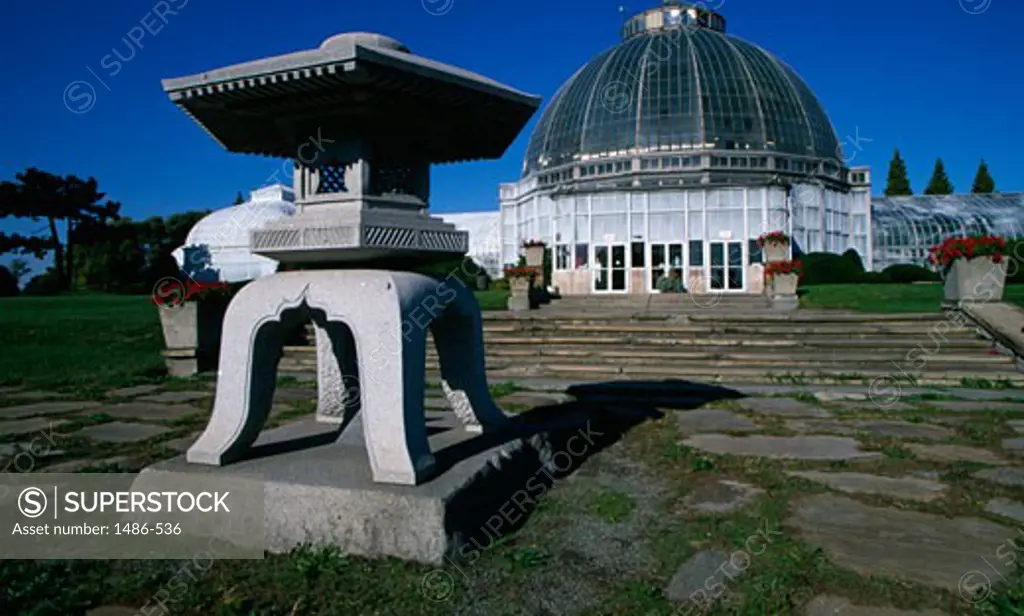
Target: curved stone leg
(458,335)
(387,314)
(337,376)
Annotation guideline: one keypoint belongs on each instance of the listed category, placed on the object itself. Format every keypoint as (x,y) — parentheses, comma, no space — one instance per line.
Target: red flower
(775,237)
(954,248)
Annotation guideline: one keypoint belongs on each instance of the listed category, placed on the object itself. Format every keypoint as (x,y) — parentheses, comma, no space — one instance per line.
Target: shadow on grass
(548,444)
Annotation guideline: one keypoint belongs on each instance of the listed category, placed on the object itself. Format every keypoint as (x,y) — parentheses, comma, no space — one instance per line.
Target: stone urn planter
(533,252)
(976,280)
(520,283)
(974,268)
(781,281)
(192,325)
(774,246)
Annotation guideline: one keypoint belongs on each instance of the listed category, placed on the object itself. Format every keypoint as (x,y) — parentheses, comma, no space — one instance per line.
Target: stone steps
(737,342)
(757,375)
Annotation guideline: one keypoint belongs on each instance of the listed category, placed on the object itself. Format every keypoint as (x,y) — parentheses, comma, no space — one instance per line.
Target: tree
(8,283)
(39,195)
(939,184)
(20,268)
(898,184)
(983,182)
(239,199)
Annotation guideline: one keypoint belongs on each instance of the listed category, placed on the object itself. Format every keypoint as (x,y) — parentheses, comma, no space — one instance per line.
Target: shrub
(905,274)
(464,269)
(44,284)
(8,283)
(829,268)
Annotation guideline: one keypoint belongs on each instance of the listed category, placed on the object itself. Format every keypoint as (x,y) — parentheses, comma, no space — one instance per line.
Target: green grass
(75,339)
(95,340)
(492,299)
(886,298)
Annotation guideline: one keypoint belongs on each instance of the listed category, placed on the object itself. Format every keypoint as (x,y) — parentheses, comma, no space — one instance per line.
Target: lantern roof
(355,88)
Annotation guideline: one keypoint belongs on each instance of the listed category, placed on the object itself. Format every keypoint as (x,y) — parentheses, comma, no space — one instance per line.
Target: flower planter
(192,333)
(976,280)
(776,252)
(534,256)
(520,285)
(782,292)
(783,284)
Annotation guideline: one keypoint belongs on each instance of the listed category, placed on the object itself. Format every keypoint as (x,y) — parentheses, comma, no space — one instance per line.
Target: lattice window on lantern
(393,180)
(332,180)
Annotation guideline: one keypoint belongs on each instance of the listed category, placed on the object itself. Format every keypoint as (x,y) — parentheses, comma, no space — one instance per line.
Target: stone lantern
(363,119)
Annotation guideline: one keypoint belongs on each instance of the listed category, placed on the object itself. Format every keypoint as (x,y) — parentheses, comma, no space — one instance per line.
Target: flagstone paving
(176,396)
(692,581)
(870,406)
(1012,477)
(911,488)
(713,420)
(130,392)
(876,427)
(916,521)
(923,547)
(782,447)
(963,406)
(1006,508)
(182,444)
(782,407)
(1015,446)
(825,605)
(40,409)
(723,496)
(150,411)
(122,432)
(28,426)
(954,453)
(34,395)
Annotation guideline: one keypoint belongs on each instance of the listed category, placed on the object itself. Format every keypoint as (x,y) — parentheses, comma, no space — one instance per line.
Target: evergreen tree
(939,184)
(898,183)
(983,182)
(239,199)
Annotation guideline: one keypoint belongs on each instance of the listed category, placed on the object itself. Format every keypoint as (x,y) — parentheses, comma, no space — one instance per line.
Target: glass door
(620,275)
(726,266)
(665,259)
(611,273)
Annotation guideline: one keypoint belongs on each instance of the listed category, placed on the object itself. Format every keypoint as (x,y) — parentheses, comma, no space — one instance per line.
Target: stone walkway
(925,492)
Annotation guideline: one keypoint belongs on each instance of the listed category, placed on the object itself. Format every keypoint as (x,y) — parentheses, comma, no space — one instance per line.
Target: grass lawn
(100,340)
(886,298)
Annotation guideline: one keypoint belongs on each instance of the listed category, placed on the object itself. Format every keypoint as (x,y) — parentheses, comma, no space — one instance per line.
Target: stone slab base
(319,490)
(519,302)
(784,302)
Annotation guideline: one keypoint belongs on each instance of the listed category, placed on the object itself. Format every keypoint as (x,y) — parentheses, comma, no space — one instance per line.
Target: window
(638,249)
(582,255)
(754,251)
(696,253)
(561,257)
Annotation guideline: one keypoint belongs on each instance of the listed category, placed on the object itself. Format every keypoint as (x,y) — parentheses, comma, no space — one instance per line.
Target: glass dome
(679,83)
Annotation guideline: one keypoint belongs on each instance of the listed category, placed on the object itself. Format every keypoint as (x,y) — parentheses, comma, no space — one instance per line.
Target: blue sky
(932,77)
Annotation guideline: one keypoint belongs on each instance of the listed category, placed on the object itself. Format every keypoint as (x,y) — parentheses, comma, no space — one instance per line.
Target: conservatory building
(673,152)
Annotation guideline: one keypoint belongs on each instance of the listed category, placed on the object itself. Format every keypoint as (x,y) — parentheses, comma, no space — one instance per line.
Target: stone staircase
(729,340)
